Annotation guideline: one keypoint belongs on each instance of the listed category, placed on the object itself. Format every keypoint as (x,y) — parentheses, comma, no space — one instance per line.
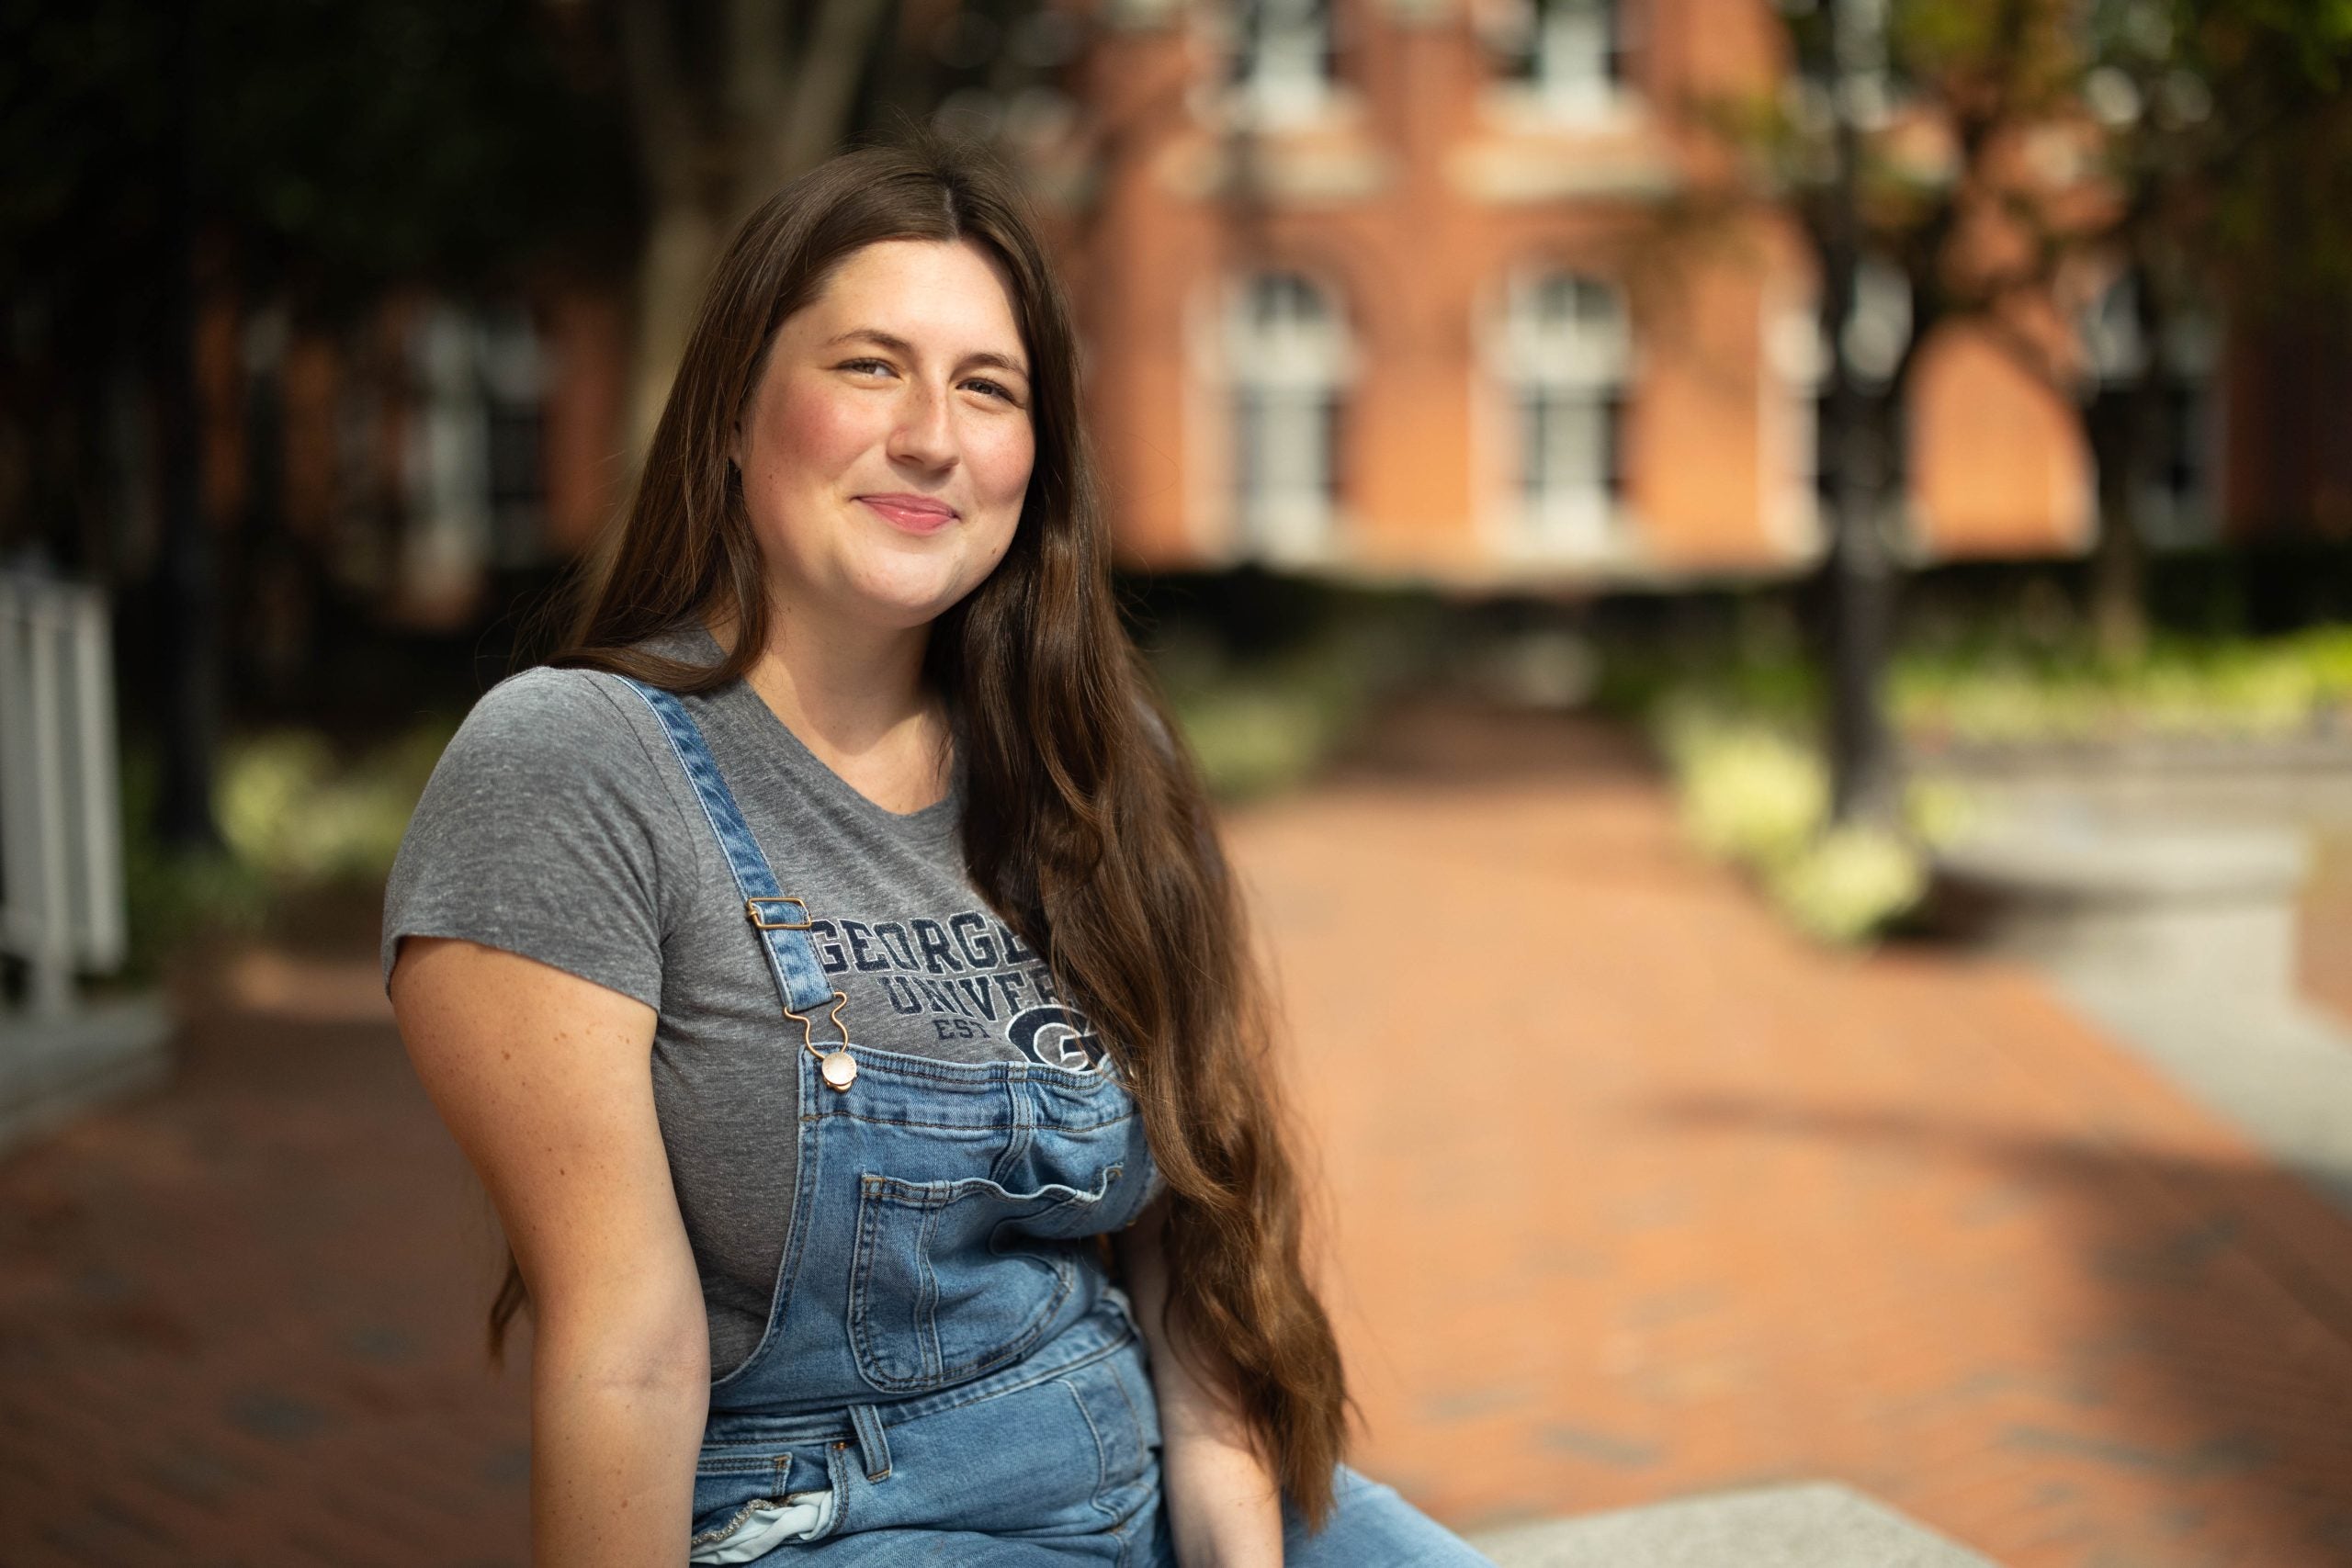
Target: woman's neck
(857,699)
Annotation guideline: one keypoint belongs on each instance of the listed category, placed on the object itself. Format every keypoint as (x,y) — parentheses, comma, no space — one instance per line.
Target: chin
(905,605)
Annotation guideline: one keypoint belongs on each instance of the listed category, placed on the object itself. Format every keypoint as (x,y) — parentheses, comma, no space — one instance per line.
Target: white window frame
(1796,359)
(1282,60)
(1575,53)
(1289,358)
(1565,346)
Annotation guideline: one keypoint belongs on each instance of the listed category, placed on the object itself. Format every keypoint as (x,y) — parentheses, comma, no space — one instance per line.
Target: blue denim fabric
(798,976)
(947,1373)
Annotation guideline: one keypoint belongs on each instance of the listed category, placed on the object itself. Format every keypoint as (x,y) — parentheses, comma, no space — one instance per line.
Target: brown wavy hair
(1084,819)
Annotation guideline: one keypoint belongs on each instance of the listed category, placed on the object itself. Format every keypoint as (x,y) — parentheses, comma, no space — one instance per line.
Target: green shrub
(288,808)
(1263,726)
(2218,688)
(293,819)
(1755,793)
(1845,884)
(1749,792)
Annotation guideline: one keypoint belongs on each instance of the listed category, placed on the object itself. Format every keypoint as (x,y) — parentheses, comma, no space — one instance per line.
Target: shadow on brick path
(1636,1195)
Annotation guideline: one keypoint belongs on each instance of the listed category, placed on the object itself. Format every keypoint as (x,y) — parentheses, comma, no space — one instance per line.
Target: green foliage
(289,811)
(1754,789)
(1260,727)
(171,898)
(297,819)
(1750,791)
(2218,688)
(1848,882)
(1755,793)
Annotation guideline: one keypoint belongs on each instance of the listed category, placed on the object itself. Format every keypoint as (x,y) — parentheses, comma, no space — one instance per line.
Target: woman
(827,963)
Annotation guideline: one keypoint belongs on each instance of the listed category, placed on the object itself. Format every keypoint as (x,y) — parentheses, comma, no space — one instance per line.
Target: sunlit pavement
(1637,1196)
(1633,1196)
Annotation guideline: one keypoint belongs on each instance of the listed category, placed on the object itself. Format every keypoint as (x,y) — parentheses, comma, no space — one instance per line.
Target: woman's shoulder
(548,701)
(580,720)
(546,746)
(548,801)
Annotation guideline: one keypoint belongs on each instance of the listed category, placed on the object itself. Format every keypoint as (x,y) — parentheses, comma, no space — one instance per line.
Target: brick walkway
(1633,1196)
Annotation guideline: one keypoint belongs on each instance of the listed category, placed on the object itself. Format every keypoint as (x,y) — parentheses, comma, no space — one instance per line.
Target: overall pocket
(747,1501)
(954,1279)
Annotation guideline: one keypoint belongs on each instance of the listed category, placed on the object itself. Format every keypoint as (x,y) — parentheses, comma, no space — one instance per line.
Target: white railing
(61,844)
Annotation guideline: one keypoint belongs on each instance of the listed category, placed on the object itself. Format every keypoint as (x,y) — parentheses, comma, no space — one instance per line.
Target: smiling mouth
(909,516)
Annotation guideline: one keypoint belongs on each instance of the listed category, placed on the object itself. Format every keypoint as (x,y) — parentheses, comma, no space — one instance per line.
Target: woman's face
(888,443)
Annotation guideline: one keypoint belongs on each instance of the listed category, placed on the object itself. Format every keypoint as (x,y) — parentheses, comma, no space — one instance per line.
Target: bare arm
(1223,1508)
(545,1080)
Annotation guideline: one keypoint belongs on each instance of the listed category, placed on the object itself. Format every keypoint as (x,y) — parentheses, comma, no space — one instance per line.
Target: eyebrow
(901,346)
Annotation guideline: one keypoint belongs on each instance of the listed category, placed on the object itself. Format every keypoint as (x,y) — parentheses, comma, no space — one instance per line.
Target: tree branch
(657,97)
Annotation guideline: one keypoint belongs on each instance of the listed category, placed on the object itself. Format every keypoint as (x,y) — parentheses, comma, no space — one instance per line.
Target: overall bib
(947,1373)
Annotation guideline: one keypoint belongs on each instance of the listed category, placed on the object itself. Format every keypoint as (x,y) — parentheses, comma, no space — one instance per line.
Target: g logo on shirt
(1057,1036)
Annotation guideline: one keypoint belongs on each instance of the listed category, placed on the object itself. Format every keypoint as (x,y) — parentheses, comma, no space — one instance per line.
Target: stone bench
(1814,1525)
(2184,902)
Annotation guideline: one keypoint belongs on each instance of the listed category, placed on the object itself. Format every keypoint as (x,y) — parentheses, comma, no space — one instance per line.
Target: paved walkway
(1633,1195)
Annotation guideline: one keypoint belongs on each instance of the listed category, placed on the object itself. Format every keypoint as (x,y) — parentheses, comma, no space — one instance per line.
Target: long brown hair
(1084,820)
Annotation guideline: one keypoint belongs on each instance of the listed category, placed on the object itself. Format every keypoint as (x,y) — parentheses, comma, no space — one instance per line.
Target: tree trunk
(1864,775)
(190,614)
(2119,571)
(681,244)
(2119,564)
(1856,589)
(779,107)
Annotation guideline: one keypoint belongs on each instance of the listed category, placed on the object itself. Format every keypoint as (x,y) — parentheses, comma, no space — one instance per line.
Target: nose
(924,432)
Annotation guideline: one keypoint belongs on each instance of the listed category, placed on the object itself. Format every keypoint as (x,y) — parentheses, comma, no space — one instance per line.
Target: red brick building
(1384,288)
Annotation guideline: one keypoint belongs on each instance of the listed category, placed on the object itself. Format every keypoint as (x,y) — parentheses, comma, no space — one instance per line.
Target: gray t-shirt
(559,825)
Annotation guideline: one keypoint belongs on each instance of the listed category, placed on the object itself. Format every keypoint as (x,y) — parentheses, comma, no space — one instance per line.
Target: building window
(1281,59)
(1862,74)
(1569,55)
(514,379)
(1288,349)
(1569,358)
(476,471)
(2175,494)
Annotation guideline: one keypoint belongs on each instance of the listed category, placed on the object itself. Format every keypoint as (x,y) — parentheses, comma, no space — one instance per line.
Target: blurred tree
(308,152)
(728,101)
(1986,160)
(2214,121)
(731,101)
(286,166)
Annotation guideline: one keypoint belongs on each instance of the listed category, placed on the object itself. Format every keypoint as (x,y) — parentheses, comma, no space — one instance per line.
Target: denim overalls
(945,1355)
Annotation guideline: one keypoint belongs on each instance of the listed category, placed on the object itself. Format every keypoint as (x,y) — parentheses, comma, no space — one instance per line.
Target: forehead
(951,291)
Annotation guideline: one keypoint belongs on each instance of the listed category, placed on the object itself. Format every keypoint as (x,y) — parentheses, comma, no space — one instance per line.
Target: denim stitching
(1102,1455)
(820,1429)
(791,960)
(927,1296)
(873,1191)
(743,1516)
(810,1164)
(846,1114)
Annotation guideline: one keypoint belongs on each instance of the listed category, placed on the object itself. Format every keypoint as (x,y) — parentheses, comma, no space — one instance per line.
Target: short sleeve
(543,831)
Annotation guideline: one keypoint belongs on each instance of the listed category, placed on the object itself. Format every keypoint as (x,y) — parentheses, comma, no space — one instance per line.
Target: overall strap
(781,920)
